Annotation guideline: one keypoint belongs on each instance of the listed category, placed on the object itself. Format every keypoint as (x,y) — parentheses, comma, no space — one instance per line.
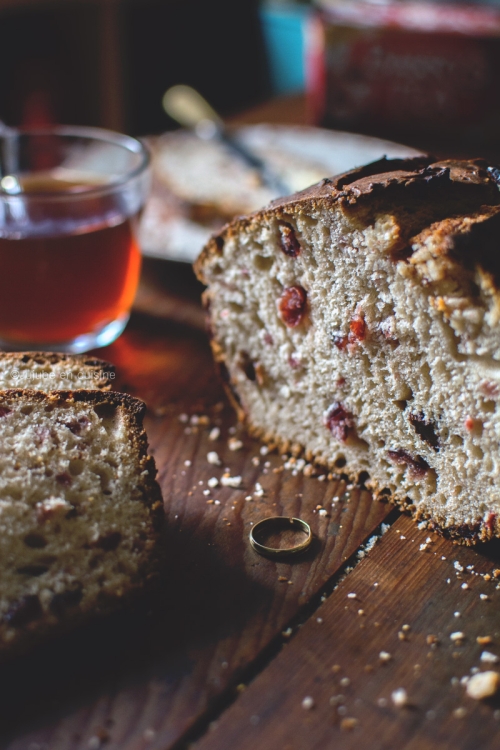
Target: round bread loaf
(358,322)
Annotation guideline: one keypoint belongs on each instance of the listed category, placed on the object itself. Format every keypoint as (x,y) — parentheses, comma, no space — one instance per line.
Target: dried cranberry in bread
(358,322)
(79,510)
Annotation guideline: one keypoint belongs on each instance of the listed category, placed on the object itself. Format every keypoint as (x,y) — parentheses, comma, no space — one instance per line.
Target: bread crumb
(457,566)
(183,418)
(460,712)
(483,640)
(336,700)
(234,444)
(259,490)
(287,633)
(308,703)
(484,597)
(399,697)
(488,657)
(227,481)
(483,685)
(213,482)
(457,636)
(465,585)
(322,512)
(348,723)
(345,681)
(384,656)
(213,458)
(264,450)
(405,628)
(336,668)
(214,433)
(352,595)
(431,639)
(187,462)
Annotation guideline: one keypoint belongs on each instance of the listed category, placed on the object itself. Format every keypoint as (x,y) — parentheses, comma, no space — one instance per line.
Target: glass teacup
(70,199)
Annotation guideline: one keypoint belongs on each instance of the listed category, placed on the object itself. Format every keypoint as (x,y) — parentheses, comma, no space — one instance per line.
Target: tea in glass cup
(70,199)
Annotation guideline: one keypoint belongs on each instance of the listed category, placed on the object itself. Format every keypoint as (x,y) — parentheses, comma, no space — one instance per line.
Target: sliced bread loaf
(358,322)
(79,509)
(42,371)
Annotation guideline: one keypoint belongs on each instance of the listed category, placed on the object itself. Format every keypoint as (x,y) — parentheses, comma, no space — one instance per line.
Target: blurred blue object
(284,29)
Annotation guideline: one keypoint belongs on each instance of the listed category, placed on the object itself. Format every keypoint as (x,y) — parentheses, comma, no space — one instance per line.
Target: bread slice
(358,322)
(48,372)
(79,509)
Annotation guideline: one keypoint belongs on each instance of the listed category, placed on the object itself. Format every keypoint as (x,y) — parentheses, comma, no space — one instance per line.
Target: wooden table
(228,652)
(238,652)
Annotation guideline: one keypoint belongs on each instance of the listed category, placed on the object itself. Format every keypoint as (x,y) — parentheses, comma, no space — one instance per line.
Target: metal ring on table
(280,523)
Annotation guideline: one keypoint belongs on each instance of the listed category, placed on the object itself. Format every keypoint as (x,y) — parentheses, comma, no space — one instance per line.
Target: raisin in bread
(358,322)
(79,509)
(49,372)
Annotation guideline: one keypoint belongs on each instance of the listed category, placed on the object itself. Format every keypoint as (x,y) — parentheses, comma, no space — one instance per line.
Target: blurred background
(425,72)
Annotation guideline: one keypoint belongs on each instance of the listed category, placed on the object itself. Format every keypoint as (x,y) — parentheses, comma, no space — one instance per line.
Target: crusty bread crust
(95,373)
(149,494)
(432,199)
(376,186)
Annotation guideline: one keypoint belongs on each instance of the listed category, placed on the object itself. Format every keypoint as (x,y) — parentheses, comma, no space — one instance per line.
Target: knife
(187,107)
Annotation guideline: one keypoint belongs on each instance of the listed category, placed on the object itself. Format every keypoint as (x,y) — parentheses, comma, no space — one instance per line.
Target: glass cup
(70,200)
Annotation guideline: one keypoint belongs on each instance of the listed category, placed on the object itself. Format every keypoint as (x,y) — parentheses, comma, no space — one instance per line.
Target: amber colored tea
(72,272)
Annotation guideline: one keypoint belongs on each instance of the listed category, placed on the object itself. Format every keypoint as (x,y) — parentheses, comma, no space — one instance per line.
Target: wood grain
(334,658)
(143,678)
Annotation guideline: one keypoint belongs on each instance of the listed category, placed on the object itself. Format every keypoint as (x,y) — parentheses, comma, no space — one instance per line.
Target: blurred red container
(407,70)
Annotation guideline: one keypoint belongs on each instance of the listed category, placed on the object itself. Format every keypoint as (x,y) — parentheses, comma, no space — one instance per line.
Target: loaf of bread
(42,371)
(358,322)
(80,509)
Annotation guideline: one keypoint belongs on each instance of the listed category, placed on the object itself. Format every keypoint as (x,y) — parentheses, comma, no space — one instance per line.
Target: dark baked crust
(150,495)
(445,187)
(93,365)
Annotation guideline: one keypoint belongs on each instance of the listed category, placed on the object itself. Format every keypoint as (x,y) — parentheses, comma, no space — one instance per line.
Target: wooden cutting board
(175,672)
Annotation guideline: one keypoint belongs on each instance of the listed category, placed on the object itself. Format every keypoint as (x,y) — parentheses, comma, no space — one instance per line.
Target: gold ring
(282,523)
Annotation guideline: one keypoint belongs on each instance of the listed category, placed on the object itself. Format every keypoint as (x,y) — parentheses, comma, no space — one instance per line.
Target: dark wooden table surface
(237,652)
(226,654)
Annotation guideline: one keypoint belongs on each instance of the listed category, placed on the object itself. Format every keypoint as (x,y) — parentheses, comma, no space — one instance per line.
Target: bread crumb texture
(79,508)
(357,323)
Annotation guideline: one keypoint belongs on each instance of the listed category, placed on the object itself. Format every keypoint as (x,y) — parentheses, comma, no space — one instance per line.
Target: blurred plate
(199,185)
